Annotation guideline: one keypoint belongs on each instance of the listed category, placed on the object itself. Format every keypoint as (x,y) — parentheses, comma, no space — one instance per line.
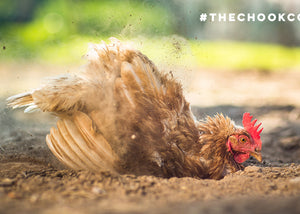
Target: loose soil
(33,181)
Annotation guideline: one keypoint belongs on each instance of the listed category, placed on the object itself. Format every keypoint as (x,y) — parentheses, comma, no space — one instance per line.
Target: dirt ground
(33,181)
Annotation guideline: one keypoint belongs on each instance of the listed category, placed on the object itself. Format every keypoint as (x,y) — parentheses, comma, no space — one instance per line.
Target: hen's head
(246,141)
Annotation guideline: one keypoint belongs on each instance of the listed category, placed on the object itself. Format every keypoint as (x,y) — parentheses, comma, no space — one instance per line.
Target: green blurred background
(168,31)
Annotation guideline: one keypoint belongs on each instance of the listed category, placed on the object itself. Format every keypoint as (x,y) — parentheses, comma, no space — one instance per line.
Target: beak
(256,155)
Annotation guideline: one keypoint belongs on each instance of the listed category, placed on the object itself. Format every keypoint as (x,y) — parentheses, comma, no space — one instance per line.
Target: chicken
(121,114)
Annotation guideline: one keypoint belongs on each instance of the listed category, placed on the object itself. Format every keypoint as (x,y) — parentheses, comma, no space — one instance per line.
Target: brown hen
(121,114)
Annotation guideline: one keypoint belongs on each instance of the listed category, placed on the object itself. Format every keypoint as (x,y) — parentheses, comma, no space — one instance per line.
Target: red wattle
(241,157)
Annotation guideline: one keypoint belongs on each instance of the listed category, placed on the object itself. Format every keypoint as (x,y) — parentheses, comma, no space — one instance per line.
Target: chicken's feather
(76,144)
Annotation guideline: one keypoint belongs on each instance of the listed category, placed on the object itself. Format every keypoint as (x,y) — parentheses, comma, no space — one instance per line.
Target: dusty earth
(33,181)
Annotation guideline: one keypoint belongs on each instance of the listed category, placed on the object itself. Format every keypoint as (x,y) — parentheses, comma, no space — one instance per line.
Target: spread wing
(120,114)
(76,144)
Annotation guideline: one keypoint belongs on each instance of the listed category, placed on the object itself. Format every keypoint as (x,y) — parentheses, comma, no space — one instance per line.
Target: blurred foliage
(58,32)
(244,55)
(55,22)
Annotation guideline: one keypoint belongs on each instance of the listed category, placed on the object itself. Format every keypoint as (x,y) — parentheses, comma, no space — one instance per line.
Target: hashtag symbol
(203,17)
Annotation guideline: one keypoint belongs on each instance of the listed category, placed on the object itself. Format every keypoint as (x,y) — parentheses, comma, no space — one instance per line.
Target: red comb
(251,128)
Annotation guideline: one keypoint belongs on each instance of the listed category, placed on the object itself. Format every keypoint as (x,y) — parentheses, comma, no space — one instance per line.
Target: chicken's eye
(243,140)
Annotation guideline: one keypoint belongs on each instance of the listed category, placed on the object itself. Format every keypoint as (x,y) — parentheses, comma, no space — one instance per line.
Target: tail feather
(22,100)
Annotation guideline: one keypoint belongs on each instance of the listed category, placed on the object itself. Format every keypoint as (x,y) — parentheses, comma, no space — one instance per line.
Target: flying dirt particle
(4,47)
(130,14)
(196,37)
(177,45)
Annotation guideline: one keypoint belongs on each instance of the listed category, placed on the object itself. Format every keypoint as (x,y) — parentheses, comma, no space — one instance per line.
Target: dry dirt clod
(252,169)
(6,182)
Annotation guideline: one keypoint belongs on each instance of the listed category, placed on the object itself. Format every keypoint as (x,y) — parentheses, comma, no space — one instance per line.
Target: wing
(79,146)
(121,114)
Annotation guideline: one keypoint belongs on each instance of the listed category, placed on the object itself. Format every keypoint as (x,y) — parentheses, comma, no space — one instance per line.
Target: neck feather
(214,152)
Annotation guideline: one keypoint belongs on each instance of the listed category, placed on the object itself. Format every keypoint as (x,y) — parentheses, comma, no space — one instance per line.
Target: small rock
(58,174)
(6,182)
(273,187)
(98,191)
(34,198)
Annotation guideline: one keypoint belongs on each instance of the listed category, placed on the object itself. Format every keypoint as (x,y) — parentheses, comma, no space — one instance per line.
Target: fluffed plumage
(121,114)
